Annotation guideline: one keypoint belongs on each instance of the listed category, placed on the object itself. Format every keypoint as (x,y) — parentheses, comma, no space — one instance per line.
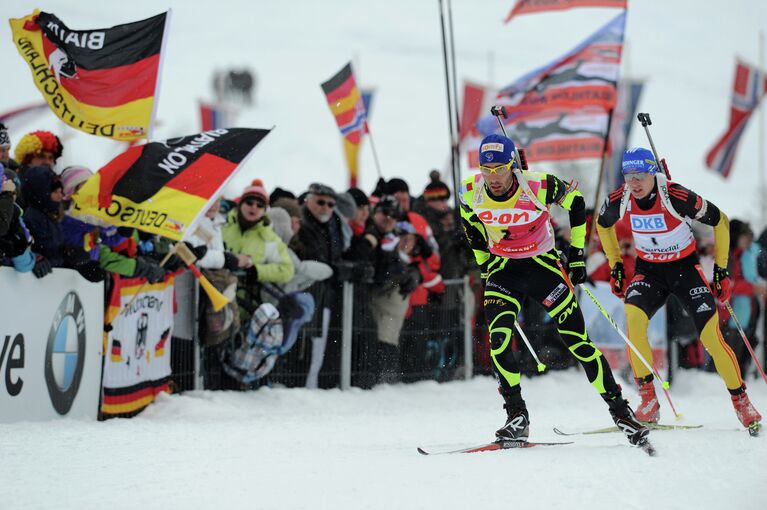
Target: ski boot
(648,410)
(626,421)
(517,426)
(746,412)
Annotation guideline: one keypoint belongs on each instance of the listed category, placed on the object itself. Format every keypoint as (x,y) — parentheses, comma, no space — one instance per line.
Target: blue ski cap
(638,160)
(496,149)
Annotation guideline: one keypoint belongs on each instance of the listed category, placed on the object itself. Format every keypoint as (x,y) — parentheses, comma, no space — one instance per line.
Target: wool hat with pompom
(71,177)
(34,143)
(257,189)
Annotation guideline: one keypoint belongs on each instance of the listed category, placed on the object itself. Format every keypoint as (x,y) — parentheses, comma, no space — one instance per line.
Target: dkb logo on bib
(648,223)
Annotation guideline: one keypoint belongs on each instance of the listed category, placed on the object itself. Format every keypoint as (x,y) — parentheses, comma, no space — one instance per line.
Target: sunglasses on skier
(499,170)
(636,176)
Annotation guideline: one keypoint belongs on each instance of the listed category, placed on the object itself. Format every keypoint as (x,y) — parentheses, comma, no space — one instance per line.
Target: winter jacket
(40,214)
(209,234)
(269,253)
(307,271)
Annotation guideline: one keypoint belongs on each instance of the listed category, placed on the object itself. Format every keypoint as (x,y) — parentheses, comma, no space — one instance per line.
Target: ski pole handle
(644,119)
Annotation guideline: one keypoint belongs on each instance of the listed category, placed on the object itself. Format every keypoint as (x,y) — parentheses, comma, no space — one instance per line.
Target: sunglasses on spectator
(250,201)
(322,203)
(500,170)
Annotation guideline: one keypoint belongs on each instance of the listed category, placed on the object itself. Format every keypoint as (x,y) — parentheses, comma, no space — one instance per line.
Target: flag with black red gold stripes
(102,81)
(165,187)
(347,106)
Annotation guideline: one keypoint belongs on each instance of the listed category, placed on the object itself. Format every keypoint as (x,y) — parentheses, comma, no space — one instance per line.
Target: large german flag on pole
(166,187)
(101,81)
(348,108)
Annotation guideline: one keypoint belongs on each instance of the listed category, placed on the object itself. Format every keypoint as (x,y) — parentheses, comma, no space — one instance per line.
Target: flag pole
(373,147)
(762,137)
(595,214)
(453,159)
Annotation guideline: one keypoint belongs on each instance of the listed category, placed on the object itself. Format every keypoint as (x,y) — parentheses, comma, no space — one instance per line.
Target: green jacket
(263,245)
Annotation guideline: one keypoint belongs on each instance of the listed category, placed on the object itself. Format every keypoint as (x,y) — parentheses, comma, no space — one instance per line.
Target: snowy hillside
(297,449)
(686,50)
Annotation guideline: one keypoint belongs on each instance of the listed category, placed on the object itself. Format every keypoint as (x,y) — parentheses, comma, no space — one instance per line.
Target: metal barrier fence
(435,343)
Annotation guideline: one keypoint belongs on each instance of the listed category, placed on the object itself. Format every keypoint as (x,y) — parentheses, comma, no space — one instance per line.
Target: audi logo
(699,290)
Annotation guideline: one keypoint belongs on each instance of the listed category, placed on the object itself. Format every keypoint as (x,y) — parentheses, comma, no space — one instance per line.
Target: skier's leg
(502,306)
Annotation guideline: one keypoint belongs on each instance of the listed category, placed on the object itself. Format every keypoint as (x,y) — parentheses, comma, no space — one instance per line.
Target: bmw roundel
(65,353)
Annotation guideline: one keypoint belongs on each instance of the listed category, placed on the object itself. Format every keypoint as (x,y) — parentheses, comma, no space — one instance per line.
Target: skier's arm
(476,236)
(609,215)
(690,204)
(569,198)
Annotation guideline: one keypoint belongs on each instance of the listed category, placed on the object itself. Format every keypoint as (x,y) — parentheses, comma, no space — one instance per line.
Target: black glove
(91,271)
(42,267)
(199,251)
(618,282)
(409,281)
(149,270)
(364,272)
(251,275)
(722,286)
(231,262)
(576,266)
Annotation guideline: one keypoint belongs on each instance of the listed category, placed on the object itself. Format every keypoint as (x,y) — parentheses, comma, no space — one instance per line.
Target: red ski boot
(648,410)
(747,415)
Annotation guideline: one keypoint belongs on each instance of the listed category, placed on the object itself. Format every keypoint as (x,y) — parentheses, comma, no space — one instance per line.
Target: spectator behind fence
(247,232)
(38,148)
(326,237)
(15,240)
(747,290)
(5,150)
(393,283)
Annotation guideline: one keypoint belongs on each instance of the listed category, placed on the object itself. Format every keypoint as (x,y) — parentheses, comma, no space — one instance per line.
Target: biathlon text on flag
(101,81)
(348,108)
(533,6)
(166,187)
(748,88)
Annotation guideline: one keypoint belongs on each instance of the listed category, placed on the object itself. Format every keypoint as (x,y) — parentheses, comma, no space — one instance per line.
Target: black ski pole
(498,112)
(644,119)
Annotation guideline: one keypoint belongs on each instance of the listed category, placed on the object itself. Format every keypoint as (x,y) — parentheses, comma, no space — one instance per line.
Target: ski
(606,430)
(495,445)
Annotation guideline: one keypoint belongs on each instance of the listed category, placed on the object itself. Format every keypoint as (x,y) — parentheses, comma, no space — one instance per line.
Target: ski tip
(559,432)
(422,451)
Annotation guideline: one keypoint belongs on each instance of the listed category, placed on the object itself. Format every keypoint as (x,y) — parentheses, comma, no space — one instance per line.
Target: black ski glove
(149,270)
(42,267)
(91,271)
(231,262)
(199,251)
(576,266)
(618,282)
(409,281)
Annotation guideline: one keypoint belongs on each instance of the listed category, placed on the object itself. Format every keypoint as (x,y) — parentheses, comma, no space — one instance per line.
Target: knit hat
(257,189)
(638,160)
(388,205)
(5,140)
(290,205)
(71,177)
(34,143)
(346,205)
(436,190)
(496,149)
(396,185)
(279,193)
(359,196)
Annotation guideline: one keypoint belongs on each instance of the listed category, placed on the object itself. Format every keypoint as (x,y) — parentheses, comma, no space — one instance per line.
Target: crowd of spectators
(263,246)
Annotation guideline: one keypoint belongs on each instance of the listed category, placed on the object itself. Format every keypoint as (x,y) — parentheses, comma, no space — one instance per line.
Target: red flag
(748,88)
(533,6)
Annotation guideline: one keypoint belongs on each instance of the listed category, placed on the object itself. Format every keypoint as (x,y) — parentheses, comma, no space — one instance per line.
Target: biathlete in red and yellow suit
(661,215)
(505,215)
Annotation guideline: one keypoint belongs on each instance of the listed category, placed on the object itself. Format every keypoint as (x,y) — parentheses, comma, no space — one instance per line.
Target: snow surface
(296,449)
(686,50)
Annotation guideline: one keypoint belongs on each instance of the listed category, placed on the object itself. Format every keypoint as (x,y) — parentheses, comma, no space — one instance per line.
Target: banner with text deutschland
(137,361)
(166,187)
(101,81)
(348,107)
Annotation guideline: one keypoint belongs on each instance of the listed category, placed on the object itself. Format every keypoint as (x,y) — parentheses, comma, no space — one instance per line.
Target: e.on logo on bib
(648,223)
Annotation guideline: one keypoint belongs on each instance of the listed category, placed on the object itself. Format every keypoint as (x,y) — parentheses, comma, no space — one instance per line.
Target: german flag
(100,81)
(348,108)
(165,187)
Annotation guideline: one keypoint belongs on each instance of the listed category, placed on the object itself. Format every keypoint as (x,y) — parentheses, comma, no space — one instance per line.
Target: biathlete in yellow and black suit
(505,215)
(661,215)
